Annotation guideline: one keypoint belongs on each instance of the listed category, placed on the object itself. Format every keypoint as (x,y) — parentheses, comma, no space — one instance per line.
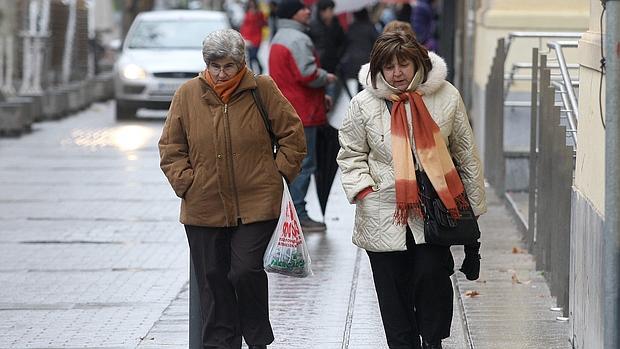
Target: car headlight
(133,72)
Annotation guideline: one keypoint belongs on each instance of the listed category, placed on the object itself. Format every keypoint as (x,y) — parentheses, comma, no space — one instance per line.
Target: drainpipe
(611,237)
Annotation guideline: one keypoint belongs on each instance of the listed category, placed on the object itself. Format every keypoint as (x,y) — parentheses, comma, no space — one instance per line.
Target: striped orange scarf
(433,154)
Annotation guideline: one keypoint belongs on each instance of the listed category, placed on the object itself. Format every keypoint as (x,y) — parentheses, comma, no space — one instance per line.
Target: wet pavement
(92,256)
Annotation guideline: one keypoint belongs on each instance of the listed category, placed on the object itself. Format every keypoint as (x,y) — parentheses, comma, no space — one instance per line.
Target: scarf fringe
(405,209)
(462,203)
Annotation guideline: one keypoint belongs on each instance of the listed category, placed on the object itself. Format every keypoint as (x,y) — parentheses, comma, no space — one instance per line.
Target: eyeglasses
(228,69)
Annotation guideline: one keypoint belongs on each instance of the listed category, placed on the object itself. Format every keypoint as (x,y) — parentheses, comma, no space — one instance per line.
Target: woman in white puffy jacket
(408,118)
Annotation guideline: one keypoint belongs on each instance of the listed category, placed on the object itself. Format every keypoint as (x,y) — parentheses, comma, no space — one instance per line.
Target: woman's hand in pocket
(362,194)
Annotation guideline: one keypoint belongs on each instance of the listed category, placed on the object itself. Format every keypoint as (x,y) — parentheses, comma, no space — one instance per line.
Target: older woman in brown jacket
(217,155)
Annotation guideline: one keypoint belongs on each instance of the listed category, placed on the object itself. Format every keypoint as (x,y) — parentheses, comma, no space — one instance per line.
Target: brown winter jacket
(217,157)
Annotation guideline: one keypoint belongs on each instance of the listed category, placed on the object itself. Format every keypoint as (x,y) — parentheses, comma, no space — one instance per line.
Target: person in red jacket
(294,66)
(252,31)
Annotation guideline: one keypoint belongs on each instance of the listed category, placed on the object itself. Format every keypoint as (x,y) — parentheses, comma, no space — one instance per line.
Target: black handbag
(440,228)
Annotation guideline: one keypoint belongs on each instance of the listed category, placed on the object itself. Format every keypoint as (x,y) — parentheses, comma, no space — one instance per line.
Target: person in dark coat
(424,20)
(404,13)
(360,38)
(327,35)
(273,18)
(329,40)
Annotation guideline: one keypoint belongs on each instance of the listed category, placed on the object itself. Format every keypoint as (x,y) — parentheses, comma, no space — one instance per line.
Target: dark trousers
(233,284)
(414,292)
(253,61)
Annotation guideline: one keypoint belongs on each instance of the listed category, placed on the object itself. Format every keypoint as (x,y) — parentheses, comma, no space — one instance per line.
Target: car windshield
(172,34)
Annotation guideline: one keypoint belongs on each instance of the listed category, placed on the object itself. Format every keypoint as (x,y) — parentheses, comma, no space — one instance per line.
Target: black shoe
(310,226)
(433,345)
(257,347)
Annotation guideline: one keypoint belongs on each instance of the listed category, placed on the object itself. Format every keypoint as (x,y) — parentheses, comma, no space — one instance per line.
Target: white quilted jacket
(365,157)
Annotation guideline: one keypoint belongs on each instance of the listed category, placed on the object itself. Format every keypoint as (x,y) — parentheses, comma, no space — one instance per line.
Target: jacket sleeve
(353,155)
(174,150)
(463,149)
(286,126)
(305,60)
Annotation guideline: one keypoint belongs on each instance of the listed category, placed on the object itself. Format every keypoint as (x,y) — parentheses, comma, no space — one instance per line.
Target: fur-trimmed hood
(434,80)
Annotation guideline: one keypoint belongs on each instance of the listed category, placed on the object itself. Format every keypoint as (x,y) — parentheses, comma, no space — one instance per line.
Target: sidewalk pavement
(92,256)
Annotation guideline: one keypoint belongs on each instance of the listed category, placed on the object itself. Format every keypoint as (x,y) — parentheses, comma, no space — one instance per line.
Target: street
(92,256)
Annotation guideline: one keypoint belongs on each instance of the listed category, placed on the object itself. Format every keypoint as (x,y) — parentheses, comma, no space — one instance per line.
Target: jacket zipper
(230,160)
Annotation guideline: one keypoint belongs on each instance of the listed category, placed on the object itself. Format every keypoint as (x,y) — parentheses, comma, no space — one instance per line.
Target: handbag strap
(263,113)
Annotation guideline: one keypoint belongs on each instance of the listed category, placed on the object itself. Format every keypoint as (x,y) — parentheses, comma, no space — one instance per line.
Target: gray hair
(223,44)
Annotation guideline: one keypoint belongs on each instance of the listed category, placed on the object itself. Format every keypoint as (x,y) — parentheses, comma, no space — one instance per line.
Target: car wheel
(124,111)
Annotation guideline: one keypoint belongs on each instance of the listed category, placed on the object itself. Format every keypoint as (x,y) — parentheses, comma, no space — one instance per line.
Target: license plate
(167,87)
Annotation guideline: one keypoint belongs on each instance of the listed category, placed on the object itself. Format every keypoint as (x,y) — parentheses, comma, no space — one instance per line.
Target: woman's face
(222,69)
(398,73)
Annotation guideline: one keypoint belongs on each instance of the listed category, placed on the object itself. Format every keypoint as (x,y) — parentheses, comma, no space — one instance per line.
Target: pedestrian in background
(329,40)
(403,12)
(252,31)
(424,20)
(273,18)
(294,66)
(217,155)
(360,38)
(400,26)
(407,118)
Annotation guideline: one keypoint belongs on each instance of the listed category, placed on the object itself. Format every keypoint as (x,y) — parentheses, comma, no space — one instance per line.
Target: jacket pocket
(368,218)
(192,186)
(272,174)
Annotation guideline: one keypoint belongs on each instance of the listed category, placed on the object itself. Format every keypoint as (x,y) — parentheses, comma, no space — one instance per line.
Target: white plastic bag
(287,252)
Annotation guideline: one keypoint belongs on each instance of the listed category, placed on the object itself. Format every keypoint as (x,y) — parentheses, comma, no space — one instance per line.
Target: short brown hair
(400,26)
(397,44)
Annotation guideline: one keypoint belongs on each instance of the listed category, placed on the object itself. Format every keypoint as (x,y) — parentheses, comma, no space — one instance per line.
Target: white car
(162,50)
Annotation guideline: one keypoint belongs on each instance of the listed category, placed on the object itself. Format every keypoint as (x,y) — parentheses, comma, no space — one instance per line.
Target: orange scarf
(433,154)
(225,89)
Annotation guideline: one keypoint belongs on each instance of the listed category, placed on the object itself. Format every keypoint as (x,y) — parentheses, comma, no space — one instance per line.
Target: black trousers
(414,292)
(233,284)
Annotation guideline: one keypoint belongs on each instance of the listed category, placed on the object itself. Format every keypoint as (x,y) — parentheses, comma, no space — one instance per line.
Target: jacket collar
(291,24)
(433,82)
(247,83)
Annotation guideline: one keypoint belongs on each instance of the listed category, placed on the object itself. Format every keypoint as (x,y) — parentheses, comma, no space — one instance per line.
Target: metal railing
(512,76)
(553,123)
(497,93)
(567,92)
(512,36)
(552,164)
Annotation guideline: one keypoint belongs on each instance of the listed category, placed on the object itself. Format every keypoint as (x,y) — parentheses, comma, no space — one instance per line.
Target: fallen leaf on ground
(515,280)
(517,250)
(472,293)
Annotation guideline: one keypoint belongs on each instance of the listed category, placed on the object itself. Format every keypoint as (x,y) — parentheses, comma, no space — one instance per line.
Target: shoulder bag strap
(263,113)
